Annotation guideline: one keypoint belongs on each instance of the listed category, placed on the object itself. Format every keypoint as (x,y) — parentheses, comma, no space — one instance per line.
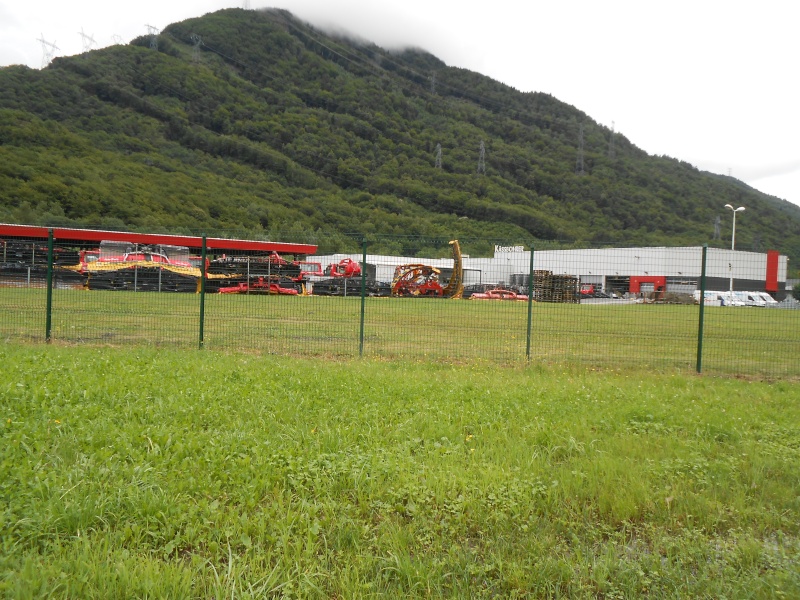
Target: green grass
(741,341)
(165,473)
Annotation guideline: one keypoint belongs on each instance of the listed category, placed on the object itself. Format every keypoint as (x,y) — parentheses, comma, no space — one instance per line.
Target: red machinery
(346,267)
(416,280)
(423,280)
(261,286)
(498,294)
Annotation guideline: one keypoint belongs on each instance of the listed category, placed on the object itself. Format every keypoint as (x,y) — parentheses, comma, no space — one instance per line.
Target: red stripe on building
(771,284)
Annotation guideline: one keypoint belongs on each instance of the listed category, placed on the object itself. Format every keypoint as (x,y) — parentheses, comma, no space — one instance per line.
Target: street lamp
(733,238)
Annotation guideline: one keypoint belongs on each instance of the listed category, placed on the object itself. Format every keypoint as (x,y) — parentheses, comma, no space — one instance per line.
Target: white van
(718,298)
(768,300)
(751,298)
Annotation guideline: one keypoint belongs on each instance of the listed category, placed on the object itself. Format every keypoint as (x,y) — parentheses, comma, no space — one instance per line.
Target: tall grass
(166,473)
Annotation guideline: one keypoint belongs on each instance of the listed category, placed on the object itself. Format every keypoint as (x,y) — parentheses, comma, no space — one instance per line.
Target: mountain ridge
(255,122)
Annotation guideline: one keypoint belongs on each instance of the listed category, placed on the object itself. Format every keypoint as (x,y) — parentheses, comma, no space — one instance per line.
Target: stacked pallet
(548,287)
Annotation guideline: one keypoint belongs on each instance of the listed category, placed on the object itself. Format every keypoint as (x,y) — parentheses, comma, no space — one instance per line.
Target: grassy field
(737,341)
(168,473)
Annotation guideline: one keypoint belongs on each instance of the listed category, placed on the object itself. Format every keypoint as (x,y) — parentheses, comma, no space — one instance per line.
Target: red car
(498,295)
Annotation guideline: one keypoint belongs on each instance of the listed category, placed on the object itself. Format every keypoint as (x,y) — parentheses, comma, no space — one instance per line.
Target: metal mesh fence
(688,309)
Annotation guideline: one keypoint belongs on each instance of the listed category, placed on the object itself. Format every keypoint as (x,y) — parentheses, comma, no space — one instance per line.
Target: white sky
(710,82)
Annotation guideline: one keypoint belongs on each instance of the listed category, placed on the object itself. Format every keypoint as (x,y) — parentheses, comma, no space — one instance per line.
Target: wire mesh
(125,294)
(23,278)
(261,301)
(747,330)
(418,299)
(624,312)
(442,308)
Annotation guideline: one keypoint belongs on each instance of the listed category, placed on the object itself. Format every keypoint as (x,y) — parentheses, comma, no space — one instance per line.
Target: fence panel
(423,303)
(123,294)
(746,331)
(262,302)
(423,299)
(23,293)
(620,313)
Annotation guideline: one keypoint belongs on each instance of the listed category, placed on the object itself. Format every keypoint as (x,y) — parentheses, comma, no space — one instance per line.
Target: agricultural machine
(261,286)
(346,267)
(24,263)
(423,280)
(499,294)
(126,266)
(271,274)
(135,267)
(343,279)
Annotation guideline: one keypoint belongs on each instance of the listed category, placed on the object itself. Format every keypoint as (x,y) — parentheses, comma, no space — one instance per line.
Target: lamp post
(733,240)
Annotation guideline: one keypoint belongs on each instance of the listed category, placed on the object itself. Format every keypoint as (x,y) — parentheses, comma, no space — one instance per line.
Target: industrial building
(620,270)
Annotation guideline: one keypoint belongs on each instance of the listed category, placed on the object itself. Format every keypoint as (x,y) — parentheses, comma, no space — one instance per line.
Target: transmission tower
(717,228)
(757,243)
(579,162)
(117,40)
(433,83)
(153,33)
(611,142)
(48,51)
(438,164)
(197,41)
(482,159)
(246,4)
(87,41)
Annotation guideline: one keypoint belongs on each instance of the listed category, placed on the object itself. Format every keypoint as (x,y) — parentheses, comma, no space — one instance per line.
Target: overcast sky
(710,82)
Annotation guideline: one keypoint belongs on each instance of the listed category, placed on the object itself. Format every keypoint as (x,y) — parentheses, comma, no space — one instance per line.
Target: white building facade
(624,270)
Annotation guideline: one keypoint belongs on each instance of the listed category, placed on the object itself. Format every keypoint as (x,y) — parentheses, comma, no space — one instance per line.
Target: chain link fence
(688,309)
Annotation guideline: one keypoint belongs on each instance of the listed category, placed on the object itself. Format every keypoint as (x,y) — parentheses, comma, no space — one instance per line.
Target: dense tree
(279,130)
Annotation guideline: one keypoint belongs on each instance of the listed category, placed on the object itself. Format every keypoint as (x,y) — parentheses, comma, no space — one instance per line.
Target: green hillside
(253,122)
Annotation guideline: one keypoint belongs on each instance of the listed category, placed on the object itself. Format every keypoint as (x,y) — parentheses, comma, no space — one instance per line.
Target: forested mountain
(255,123)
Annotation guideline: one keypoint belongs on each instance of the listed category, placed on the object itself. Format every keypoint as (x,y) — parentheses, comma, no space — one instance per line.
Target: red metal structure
(63,234)
(499,294)
(416,280)
(115,260)
(346,267)
(261,286)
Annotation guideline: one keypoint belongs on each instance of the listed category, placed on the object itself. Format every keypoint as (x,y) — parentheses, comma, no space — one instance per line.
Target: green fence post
(48,327)
(202,290)
(530,308)
(363,295)
(702,309)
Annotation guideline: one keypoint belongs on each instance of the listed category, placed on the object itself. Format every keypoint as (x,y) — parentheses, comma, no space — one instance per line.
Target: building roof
(97,235)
